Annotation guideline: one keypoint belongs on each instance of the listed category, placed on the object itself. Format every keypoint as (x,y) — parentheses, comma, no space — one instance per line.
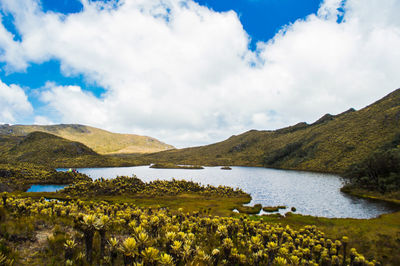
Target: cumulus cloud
(14,103)
(183,73)
(42,120)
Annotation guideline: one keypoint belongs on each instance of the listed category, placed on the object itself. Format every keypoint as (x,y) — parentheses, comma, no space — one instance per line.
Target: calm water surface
(45,188)
(310,193)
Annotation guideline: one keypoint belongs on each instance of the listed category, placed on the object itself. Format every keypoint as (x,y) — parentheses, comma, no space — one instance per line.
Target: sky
(194,72)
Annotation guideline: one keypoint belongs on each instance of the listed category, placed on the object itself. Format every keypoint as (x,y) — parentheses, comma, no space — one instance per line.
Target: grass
(186,237)
(329,145)
(52,151)
(250,209)
(377,238)
(273,209)
(101,141)
(189,202)
(392,197)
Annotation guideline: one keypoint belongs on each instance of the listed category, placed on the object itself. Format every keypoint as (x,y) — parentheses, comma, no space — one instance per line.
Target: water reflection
(314,194)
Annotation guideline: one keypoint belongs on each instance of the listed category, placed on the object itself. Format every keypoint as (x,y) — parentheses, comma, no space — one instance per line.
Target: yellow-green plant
(113,247)
(69,249)
(88,226)
(129,250)
(181,238)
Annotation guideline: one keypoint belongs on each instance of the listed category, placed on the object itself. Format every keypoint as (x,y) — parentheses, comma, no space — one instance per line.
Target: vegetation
(83,233)
(375,238)
(250,209)
(101,141)
(380,173)
(175,166)
(127,221)
(273,209)
(134,186)
(332,144)
(21,176)
(52,151)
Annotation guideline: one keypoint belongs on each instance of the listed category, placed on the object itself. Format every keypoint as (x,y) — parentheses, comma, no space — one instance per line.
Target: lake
(314,194)
(45,188)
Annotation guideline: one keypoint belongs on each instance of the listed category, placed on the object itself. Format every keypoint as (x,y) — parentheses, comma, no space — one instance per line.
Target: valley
(122,220)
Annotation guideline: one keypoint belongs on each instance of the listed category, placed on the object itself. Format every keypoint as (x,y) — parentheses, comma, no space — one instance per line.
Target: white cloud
(42,120)
(183,73)
(74,105)
(14,103)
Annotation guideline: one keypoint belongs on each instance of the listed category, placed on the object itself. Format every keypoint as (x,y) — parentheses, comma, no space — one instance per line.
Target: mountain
(331,144)
(49,150)
(101,141)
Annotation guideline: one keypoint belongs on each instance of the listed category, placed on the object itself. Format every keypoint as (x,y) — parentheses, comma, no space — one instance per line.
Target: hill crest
(101,141)
(331,144)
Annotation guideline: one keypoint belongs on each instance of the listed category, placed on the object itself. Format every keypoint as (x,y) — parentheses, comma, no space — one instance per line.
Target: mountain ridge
(330,144)
(101,141)
(45,149)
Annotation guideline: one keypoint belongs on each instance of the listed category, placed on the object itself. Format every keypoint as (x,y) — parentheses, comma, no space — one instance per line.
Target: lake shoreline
(364,194)
(256,180)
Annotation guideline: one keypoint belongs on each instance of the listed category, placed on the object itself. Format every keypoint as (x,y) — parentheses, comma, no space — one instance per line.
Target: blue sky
(191,75)
(261,19)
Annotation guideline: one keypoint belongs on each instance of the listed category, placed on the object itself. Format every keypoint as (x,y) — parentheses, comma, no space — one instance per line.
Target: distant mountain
(331,144)
(49,150)
(101,141)
(44,148)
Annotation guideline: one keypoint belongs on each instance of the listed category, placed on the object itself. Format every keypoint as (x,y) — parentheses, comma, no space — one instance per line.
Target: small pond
(45,188)
(310,193)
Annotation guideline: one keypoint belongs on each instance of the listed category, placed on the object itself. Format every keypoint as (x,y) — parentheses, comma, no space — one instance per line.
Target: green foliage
(134,186)
(331,145)
(250,209)
(275,158)
(273,209)
(22,175)
(140,236)
(380,172)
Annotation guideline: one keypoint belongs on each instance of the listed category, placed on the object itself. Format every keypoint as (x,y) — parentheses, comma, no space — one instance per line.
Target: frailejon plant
(162,237)
(124,185)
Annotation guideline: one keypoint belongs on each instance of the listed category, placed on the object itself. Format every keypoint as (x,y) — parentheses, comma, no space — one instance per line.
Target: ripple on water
(311,193)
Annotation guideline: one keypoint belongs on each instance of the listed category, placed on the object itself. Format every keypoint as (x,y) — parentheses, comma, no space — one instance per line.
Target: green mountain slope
(101,141)
(46,149)
(331,144)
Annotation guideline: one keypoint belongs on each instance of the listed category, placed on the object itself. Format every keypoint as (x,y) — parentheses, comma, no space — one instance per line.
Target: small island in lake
(175,166)
(226,168)
(273,208)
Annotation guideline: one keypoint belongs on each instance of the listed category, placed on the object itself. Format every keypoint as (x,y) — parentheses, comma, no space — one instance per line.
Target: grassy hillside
(49,150)
(331,144)
(99,140)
